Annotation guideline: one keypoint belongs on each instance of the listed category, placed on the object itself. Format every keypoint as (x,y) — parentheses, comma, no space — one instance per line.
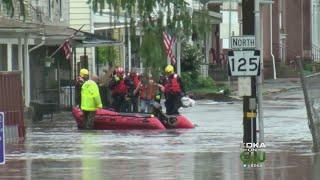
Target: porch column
(26,72)
(9,57)
(20,59)
(124,56)
(129,50)
(93,56)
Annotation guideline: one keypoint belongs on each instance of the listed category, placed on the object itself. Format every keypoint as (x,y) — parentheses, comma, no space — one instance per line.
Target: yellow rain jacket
(90,96)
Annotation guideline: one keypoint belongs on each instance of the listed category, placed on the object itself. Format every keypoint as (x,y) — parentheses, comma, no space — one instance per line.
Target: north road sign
(243,42)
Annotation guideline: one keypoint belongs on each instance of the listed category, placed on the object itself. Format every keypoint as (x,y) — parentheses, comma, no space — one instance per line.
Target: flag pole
(56,51)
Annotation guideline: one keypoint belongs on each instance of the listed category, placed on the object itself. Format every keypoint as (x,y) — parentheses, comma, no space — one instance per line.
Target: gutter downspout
(271,46)
(39,45)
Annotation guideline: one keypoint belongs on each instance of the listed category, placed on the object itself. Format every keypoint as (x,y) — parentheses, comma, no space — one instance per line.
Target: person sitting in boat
(119,89)
(90,101)
(148,91)
(174,91)
(104,83)
(162,80)
(134,79)
(83,76)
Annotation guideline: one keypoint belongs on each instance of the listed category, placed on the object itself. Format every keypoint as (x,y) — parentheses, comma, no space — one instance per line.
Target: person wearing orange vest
(173,90)
(119,89)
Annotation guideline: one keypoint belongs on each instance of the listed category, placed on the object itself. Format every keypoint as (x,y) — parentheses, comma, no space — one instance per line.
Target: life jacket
(173,86)
(136,80)
(120,88)
(90,96)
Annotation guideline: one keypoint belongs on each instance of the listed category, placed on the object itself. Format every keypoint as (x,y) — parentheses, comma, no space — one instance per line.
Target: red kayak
(110,120)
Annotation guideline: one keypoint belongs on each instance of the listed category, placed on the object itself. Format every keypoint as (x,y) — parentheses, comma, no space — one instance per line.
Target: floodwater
(58,150)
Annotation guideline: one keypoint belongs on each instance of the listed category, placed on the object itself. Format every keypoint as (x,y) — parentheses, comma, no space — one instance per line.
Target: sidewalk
(271,86)
(280,85)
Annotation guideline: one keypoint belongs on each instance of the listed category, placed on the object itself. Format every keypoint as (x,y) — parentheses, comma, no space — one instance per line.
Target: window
(3,57)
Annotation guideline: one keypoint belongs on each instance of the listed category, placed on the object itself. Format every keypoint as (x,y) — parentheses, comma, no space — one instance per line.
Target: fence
(311,91)
(316,53)
(65,100)
(11,103)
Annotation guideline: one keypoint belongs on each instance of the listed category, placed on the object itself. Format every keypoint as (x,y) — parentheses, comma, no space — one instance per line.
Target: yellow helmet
(169,69)
(84,72)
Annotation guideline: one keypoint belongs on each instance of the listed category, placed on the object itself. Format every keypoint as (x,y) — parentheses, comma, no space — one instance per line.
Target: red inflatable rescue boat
(110,120)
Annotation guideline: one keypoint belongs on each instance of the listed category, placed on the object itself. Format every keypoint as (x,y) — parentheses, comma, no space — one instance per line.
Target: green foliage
(308,65)
(152,52)
(10,7)
(205,82)
(151,14)
(197,83)
(191,58)
(107,54)
(187,80)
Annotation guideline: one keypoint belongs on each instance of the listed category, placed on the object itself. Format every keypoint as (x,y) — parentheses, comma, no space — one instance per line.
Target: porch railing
(315,53)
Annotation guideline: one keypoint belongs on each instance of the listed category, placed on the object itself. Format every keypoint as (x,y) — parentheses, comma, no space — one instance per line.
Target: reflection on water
(58,150)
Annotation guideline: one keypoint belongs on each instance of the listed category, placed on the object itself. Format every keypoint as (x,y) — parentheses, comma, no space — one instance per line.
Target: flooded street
(58,150)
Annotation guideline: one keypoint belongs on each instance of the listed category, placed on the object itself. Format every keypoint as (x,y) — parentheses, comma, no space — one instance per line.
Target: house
(26,42)
(316,30)
(20,35)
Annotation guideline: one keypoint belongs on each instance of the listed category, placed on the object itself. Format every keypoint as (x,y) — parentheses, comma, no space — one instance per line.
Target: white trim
(26,72)
(110,27)
(9,57)
(15,41)
(20,57)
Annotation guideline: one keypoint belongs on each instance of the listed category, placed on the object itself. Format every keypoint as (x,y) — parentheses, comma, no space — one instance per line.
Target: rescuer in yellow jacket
(90,101)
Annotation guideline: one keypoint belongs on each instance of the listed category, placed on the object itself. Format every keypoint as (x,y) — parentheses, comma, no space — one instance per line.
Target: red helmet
(119,71)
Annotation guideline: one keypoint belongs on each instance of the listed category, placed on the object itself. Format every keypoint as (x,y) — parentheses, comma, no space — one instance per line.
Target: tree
(152,17)
(107,54)
(9,5)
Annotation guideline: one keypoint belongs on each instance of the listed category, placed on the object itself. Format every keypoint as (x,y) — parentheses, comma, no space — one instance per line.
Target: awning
(11,27)
(53,35)
(97,43)
(214,17)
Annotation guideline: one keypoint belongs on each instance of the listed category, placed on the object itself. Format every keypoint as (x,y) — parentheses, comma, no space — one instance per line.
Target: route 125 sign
(244,63)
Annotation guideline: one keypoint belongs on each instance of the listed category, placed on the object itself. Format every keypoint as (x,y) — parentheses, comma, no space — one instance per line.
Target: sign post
(248,29)
(2,139)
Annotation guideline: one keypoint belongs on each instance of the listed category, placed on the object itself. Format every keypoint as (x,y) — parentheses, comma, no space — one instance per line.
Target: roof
(54,35)
(11,25)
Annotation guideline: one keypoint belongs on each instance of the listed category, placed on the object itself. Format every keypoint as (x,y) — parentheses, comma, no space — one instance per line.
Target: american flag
(168,44)
(67,49)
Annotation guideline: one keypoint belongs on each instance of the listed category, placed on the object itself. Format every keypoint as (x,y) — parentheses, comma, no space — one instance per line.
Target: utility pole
(249,102)
(259,78)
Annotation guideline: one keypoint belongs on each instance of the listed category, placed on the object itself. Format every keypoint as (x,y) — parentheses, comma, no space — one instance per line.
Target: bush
(200,82)
(186,80)
(205,82)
